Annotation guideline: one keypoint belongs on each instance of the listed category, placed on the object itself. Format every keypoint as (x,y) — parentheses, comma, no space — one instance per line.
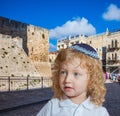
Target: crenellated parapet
(32,40)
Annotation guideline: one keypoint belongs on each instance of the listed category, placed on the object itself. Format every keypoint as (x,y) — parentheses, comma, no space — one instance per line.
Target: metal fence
(23,83)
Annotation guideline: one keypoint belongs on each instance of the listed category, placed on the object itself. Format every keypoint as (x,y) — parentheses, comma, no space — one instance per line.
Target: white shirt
(66,107)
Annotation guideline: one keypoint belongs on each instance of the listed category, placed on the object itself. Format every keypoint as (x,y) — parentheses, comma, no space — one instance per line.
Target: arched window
(112,56)
(112,43)
(115,56)
(116,43)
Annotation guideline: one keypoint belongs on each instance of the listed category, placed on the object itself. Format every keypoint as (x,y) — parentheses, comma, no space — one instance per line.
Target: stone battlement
(18,39)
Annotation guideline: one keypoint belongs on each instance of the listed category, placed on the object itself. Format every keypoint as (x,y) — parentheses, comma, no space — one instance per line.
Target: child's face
(73,79)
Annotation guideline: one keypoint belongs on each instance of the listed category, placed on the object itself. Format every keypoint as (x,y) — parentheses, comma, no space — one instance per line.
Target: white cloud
(113,13)
(75,27)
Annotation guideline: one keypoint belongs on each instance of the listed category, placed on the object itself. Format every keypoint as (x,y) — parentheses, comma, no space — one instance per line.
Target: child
(78,84)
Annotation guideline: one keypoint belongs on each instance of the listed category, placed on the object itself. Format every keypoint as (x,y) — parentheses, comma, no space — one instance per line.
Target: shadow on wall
(14,29)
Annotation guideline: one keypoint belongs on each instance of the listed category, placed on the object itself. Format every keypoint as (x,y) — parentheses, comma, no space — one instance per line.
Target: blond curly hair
(96,88)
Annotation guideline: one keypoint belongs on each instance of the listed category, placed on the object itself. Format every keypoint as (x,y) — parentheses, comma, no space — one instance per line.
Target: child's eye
(63,73)
(76,74)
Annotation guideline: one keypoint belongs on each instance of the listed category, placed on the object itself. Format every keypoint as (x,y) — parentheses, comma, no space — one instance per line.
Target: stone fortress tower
(32,40)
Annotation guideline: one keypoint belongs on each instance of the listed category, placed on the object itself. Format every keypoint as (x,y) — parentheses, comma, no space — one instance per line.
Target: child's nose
(68,78)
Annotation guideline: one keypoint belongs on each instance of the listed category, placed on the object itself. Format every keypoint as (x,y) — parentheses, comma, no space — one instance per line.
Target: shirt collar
(88,104)
(66,102)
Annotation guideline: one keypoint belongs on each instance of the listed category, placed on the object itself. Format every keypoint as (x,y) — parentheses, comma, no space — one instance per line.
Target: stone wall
(13,59)
(38,44)
(32,40)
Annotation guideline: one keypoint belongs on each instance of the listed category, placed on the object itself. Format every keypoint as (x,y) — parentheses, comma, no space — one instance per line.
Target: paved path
(30,110)
(15,99)
(112,102)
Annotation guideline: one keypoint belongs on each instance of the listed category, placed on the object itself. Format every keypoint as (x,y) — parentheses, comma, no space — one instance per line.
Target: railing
(23,83)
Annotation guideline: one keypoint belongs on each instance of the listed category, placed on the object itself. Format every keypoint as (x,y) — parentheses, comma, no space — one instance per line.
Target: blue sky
(65,17)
